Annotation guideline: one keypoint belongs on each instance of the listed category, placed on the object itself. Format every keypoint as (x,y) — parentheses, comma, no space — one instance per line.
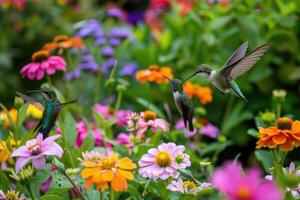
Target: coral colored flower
(153,74)
(4,116)
(203,93)
(285,133)
(236,185)
(34,112)
(109,170)
(36,150)
(162,162)
(11,195)
(82,133)
(149,121)
(64,42)
(187,187)
(129,139)
(43,63)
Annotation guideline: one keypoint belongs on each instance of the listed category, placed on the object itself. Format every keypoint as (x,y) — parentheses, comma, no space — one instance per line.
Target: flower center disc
(163,159)
(243,193)
(108,163)
(60,38)
(149,115)
(40,56)
(284,123)
(189,184)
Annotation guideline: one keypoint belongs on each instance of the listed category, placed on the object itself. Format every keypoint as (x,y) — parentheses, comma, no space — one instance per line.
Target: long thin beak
(67,103)
(35,91)
(189,77)
(166,77)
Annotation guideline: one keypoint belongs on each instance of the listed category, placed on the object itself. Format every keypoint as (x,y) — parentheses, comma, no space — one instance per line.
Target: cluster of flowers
(154,74)
(204,93)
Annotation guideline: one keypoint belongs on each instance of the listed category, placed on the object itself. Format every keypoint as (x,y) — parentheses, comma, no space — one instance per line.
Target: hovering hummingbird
(183,103)
(51,108)
(236,65)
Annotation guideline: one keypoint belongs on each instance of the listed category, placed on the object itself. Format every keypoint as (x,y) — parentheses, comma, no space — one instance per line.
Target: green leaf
(70,129)
(60,181)
(265,158)
(253,132)
(51,197)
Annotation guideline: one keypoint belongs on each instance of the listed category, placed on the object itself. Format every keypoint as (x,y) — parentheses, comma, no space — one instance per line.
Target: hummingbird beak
(189,77)
(67,103)
(171,81)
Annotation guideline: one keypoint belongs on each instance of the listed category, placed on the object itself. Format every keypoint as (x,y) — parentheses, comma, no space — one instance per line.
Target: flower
(149,121)
(187,133)
(36,150)
(64,42)
(187,187)
(5,117)
(87,62)
(279,95)
(129,69)
(34,112)
(43,63)
(82,133)
(210,131)
(185,6)
(11,195)
(116,12)
(285,133)
(153,74)
(162,162)
(5,152)
(203,93)
(122,117)
(230,180)
(107,51)
(91,28)
(129,139)
(110,169)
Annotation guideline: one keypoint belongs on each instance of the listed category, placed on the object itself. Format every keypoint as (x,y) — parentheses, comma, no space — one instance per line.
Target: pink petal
(21,161)
(21,151)
(54,150)
(49,140)
(33,67)
(40,74)
(39,162)
(50,70)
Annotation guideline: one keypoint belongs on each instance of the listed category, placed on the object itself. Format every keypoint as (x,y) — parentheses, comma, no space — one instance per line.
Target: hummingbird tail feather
(238,94)
(191,126)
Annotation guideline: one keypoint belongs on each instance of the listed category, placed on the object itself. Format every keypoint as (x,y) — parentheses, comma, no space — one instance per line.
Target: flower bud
(18,102)
(121,88)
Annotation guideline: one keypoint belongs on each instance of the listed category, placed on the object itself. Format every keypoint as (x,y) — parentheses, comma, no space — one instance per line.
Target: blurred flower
(187,187)
(46,185)
(185,6)
(87,62)
(11,195)
(153,74)
(82,133)
(90,28)
(285,133)
(43,63)
(110,169)
(116,12)
(149,121)
(162,162)
(180,126)
(34,112)
(230,180)
(120,33)
(134,17)
(129,69)
(267,116)
(107,65)
(64,42)
(36,150)
(5,152)
(76,74)
(132,120)
(122,117)
(210,131)
(279,95)
(92,156)
(129,140)
(19,4)
(203,93)
(4,116)
(107,51)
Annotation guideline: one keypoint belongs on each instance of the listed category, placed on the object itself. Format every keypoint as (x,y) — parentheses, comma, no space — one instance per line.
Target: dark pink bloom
(36,150)
(148,120)
(82,133)
(237,185)
(122,117)
(129,139)
(210,131)
(43,64)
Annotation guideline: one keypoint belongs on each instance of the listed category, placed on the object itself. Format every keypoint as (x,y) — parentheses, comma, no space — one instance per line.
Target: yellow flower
(109,170)
(4,116)
(4,151)
(34,112)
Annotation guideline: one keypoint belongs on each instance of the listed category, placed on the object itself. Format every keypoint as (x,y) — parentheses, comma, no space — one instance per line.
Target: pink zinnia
(36,150)
(149,121)
(237,185)
(43,64)
(129,139)
(82,133)
(163,162)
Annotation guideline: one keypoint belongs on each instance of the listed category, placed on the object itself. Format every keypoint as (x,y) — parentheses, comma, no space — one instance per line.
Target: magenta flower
(187,187)
(82,133)
(180,126)
(236,185)
(122,117)
(210,130)
(149,121)
(129,139)
(36,150)
(43,64)
(161,162)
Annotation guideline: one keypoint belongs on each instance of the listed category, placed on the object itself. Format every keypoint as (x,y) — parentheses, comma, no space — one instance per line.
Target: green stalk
(278,110)
(119,100)
(28,186)
(50,82)
(111,194)
(101,195)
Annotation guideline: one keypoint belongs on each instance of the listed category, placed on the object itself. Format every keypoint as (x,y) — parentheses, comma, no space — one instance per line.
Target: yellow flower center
(40,56)
(284,123)
(243,193)
(189,184)
(163,159)
(149,115)
(29,147)
(60,38)
(108,163)
(13,195)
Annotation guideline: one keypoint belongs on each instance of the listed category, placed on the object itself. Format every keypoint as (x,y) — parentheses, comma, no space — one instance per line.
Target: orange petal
(88,164)
(296,126)
(102,185)
(119,183)
(126,163)
(88,183)
(97,178)
(126,174)
(89,172)
(286,146)
(279,139)
(108,175)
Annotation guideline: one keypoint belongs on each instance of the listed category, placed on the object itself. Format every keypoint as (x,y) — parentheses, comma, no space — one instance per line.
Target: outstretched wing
(237,55)
(31,100)
(246,63)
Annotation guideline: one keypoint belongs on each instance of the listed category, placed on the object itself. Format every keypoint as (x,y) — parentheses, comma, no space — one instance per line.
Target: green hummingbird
(50,107)
(183,103)
(236,65)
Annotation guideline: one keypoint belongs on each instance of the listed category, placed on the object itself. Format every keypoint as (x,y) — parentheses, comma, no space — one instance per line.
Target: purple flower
(100,41)
(107,65)
(75,74)
(107,51)
(36,150)
(210,131)
(87,62)
(120,32)
(91,28)
(115,42)
(129,139)
(117,13)
(129,69)
(187,187)
(135,17)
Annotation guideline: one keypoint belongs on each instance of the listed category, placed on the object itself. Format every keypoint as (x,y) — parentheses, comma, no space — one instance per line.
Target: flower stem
(101,195)
(278,107)
(74,185)
(283,159)
(50,82)
(119,100)
(111,194)
(28,186)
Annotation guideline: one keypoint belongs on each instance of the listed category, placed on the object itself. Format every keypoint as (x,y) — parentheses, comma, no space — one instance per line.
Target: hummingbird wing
(240,67)
(187,111)
(237,55)
(31,100)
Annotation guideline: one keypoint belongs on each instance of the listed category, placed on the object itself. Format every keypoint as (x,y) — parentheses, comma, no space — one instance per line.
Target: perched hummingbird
(236,65)
(51,108)
(183,103)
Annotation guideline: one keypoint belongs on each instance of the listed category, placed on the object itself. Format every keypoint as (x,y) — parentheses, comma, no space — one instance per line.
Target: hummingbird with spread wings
(239,63)
(50,107)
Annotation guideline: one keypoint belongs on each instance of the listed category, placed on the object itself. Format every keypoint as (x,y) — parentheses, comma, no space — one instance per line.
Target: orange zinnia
(203,93)
(153,74)
(108,170)
(285,133)
(64,42)
(13,113)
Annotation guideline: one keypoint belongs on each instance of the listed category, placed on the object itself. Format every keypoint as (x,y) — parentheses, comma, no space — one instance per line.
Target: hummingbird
(183,103)
(238,63)
(50,107)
